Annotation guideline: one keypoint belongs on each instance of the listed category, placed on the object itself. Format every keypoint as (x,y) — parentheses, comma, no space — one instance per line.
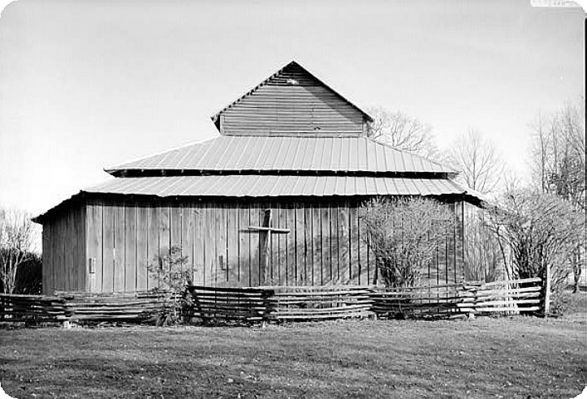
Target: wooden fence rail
(278,304)
(242,304)
(319,303)
(32,308)
(127,307)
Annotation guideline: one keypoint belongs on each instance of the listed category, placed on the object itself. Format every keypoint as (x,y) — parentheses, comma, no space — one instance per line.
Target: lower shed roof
(271,186)
(276,186)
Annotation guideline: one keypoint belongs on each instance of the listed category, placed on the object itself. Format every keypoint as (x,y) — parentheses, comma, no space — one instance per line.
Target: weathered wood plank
(153,240)
(290,244)
(175,222)
(326,245)
(264,245)
(255,220)
(187,236)
(80,259)
(119,247)
(130,248)
(344,243)
(364,258)
(108,248)
(308,278)
(334,243)
(282,255)
(94,244)
(164,230)
(198,244)
(300,246)
(64,242)
(70,247)
(221,245)
(354,237)
(272,245)
(232,244)
(318,246)
(210,244)
(244,255)
(142,247)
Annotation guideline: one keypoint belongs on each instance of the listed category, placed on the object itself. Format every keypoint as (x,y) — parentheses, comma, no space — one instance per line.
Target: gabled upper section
(283,155)
(292,101)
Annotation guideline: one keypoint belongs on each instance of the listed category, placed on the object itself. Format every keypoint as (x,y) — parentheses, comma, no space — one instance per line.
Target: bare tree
(536,231)
(402,132)
(16,234)
(558,154)
(558,165)
(477,160)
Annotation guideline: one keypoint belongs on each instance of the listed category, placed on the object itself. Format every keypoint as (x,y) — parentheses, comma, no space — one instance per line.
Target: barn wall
(324,245)
(63,243)
(279,108)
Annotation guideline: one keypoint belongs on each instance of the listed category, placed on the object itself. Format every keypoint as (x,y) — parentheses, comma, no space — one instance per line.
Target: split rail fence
(282,304)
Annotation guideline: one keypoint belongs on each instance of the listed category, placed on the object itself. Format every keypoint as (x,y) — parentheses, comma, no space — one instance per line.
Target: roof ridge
(411,154)
(280,70)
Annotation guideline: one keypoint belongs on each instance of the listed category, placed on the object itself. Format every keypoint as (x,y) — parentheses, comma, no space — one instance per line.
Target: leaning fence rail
(241,304)
(282,304)
(319,303)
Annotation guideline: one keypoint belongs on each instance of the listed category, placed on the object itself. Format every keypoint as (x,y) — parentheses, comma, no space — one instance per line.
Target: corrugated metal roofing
(274,186)
(237,153)
(291,64)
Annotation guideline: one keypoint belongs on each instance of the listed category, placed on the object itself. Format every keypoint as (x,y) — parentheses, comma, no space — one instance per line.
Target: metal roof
(255,153)
(289,65)
(275,186)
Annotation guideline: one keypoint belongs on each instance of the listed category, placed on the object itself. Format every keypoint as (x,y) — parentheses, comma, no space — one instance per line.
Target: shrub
(172,278)
(403,234)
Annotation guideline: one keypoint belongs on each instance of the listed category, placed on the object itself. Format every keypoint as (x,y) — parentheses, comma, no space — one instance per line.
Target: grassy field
(508,357)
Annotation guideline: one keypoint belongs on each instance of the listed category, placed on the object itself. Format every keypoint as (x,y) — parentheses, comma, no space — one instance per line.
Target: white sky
(88,84)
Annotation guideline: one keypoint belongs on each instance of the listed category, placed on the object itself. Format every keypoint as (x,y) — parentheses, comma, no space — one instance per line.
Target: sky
(86,84)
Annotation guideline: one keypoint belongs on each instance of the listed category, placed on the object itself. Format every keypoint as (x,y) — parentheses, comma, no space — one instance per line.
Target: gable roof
(325,155)
(292,64)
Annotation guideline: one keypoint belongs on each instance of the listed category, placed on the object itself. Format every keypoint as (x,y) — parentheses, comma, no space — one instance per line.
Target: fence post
(547,292)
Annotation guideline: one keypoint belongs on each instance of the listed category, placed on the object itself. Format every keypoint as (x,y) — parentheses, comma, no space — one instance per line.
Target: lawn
(508,357)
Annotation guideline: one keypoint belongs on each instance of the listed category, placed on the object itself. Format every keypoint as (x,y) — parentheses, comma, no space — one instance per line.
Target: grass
(508,357)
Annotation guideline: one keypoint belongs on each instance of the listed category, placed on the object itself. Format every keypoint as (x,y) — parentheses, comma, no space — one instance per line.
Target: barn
(273,200)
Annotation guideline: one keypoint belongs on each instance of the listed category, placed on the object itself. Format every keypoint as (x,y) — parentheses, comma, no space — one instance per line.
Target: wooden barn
(273,200)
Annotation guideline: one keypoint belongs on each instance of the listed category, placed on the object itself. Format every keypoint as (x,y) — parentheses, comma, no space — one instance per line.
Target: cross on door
(265,231)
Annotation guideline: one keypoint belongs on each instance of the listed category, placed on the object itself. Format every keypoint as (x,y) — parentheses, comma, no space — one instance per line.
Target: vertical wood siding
(64,244)
(120,239)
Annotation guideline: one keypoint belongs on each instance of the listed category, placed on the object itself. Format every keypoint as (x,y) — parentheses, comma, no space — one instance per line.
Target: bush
(404,234)
(172,276)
